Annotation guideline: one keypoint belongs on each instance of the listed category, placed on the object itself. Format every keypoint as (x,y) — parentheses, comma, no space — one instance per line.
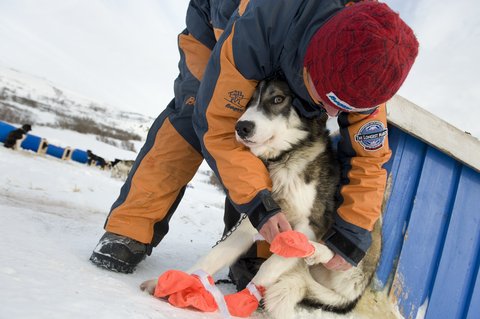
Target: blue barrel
(55,151)
(79,156)
(31,143)
(5,129)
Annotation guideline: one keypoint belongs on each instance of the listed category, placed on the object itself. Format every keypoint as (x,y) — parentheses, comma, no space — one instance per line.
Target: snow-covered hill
(28,99)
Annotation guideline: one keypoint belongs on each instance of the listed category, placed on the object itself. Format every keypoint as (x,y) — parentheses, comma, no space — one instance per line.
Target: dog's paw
(314,260)
(149,286)
(322,255)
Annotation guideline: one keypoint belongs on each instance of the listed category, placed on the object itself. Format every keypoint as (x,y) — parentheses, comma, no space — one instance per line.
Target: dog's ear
(305,109)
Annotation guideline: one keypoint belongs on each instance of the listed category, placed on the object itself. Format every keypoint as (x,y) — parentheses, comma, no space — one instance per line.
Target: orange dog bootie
(292,244)
(184,291)
(245,302)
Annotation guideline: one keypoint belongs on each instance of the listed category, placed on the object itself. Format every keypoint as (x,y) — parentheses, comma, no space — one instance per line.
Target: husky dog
(121,168)
(95,160)
(304,172)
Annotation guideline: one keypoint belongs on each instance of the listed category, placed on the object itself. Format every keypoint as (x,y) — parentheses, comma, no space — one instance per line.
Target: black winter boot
(118,253)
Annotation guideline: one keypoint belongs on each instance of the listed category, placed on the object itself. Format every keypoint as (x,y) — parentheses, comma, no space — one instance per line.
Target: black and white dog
(303,168)
(16,137)
(95,160)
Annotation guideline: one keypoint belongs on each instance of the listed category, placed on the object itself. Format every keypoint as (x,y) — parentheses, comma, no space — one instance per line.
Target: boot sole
(111,263)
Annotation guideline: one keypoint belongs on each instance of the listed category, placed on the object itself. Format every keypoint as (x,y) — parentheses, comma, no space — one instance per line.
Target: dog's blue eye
(278,99)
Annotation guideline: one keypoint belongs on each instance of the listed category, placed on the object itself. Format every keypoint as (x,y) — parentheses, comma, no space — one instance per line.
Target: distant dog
(16,137)
(95,160)
(304,172)
(121,168)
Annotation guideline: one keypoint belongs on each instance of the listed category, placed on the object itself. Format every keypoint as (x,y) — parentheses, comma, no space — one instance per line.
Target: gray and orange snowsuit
(226,49)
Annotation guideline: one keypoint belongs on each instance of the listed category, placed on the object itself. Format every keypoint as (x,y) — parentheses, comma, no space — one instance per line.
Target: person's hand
(276,224)
(338,263)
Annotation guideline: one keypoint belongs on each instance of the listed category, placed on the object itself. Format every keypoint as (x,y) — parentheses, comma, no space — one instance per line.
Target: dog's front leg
(272,269)
(322,254)
(227,251)
(245,302)
(222,255)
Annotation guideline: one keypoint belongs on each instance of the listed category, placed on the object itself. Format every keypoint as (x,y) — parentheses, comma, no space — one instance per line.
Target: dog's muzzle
(244,129)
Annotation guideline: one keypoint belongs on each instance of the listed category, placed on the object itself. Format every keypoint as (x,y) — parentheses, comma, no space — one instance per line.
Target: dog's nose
(244,128)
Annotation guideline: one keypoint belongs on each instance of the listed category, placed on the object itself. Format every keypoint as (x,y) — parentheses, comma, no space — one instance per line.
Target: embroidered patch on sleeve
(235,101)
(371,136)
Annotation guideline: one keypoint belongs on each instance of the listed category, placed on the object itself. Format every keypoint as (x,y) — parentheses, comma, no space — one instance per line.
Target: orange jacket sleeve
(362,151)
(221,100)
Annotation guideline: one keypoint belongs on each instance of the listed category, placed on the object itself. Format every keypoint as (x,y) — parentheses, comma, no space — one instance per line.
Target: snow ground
(52,215)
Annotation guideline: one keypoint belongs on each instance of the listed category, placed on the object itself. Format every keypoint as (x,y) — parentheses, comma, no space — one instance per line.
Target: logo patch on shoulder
(371,136)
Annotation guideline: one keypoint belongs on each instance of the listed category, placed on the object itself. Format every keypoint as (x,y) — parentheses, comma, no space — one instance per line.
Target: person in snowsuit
(16,137)
(346,58)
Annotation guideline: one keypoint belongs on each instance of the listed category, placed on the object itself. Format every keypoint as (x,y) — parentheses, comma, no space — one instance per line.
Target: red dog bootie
(245,302)
(292,244)
(185,290)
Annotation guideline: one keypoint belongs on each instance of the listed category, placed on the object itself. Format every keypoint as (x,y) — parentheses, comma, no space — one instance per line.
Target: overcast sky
(124,53)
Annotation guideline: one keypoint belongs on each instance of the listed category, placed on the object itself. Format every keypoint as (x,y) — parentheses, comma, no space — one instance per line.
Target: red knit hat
(360,57)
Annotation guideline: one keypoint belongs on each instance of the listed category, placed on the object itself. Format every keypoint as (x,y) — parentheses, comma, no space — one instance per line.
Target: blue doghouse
(79,156)
(431,217)
(33,143)
(55,151)
(64,153)
(5,129)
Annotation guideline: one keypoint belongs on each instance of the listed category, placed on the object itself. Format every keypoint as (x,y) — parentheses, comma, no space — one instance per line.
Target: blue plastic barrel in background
(79,156)
(31,143)
(5,129)
(55,151)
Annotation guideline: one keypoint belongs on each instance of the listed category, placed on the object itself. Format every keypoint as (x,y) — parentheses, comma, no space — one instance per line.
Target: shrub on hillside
(13,115)
(87,125)
(129,146)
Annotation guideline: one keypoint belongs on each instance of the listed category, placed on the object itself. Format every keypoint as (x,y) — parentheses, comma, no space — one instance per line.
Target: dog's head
(270,126)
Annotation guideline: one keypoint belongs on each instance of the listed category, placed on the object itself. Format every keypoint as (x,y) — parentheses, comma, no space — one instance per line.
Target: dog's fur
(305,176)
(121,168)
